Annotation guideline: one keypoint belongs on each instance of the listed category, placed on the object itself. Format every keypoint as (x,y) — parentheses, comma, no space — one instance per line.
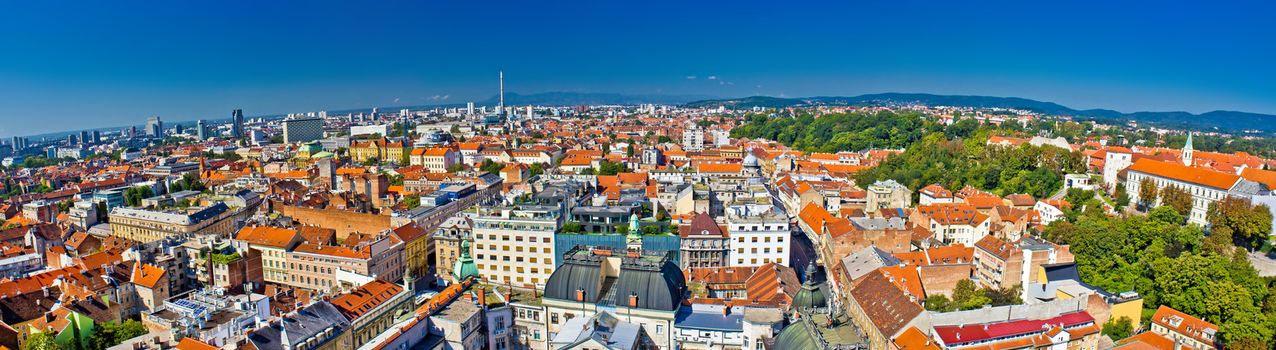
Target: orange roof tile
(147,275)
(365,298)
(1184,173)
(267,236)
(1265,177)
(1178,322)
(189,343)
(719,167)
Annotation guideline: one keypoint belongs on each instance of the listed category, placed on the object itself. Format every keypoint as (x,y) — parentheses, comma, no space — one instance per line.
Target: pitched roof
(772,282)
(147,275)
(886,305)
(1185,324)
(914,339)
(267,236)
(189,343)
(953,214)
(1194,175)
(367,297)
(1145,341)
(702,225)
(996,246)
(974,333)
(1265,177)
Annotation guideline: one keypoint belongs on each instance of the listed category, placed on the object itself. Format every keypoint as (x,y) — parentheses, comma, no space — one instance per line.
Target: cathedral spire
(1187,150)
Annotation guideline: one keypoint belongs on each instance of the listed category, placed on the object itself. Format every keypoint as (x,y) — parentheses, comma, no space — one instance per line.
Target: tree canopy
(1168,263)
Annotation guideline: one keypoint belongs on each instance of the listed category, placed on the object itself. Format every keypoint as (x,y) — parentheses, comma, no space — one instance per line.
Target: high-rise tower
(500,107)
(237,123)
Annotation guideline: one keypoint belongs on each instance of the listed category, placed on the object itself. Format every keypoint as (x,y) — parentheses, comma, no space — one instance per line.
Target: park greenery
(133,196)
(490,166)
(1177,265)
(840,132)
(954,156)
(1004,170)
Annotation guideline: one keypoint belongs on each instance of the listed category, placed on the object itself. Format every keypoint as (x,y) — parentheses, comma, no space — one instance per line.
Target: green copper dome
(812,295)
(464,266)
(797,336)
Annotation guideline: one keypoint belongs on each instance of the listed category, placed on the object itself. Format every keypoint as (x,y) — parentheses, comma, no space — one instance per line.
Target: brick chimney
(482,297)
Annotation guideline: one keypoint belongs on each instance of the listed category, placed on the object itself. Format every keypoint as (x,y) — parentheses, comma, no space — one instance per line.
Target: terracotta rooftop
(364,299)
(267,236)
(1194,175)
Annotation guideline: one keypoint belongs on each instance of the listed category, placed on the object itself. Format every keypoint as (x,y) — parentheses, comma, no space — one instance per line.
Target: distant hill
(579,98)
(1220,120)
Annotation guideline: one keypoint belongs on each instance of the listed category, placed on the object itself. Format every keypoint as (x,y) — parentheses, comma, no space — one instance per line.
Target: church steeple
(1187,150)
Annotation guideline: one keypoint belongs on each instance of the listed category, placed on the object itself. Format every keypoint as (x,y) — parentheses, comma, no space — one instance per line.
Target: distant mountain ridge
(583,98)
(1222,120)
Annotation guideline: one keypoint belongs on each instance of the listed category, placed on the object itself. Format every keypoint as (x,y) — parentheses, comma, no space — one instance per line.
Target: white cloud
(396,100)
(691,77)
(713,77)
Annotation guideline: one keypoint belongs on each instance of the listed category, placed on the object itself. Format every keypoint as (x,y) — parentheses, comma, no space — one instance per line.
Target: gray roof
(866,260)
(310,321)
(710,317)
(603,327)
(173,218)
(878,223)
(653,277)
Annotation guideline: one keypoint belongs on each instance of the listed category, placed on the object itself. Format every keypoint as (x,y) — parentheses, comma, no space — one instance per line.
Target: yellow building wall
(1131,309)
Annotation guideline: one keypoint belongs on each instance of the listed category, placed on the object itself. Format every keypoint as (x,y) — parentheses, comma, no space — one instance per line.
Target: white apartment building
(755,240)
(515,245)
(693,139)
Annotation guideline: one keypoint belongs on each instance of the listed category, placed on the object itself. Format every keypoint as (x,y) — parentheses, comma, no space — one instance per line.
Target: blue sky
(71,65)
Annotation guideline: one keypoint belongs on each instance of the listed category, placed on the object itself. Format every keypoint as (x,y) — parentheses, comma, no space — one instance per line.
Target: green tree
(1166,214)
(490,166)
(1118,328)
(939,303)
(967,297)
(455,168)
(40,341)
(1177,198)
(412,202)
(1147,193)
(1246,222)
(611,168)
(536,169)
(128,330)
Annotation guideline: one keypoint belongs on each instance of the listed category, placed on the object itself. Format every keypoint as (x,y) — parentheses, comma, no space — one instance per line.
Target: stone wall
(344,222)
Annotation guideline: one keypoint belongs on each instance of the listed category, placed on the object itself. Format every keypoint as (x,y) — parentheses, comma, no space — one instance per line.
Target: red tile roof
(972,333)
